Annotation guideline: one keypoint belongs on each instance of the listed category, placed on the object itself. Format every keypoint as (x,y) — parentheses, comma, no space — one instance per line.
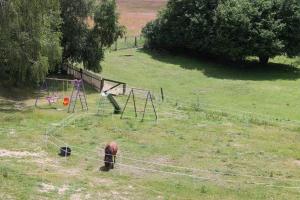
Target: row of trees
(38,36)
(230,29)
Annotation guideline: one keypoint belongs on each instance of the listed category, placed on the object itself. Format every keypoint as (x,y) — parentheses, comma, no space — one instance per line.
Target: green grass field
(224,132)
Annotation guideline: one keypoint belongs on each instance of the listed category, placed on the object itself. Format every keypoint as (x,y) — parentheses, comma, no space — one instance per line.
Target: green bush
(228,29)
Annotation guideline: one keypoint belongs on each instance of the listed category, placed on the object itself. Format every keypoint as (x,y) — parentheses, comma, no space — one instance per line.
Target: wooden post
(101,85)
(124,89)
(162,94)
(135,41)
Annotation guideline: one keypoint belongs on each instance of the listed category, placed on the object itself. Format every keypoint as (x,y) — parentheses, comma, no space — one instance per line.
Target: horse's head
(108,158)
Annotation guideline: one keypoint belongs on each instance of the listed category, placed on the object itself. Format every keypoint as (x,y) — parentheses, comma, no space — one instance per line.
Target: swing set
(140,101)
(55,91)
(145,95)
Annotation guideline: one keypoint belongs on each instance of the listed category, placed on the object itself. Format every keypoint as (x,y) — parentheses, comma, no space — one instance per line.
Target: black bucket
(65,151)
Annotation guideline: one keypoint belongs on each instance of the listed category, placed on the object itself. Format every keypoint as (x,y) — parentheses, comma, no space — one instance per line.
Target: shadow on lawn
(10,106)
(16,93)
(233,71)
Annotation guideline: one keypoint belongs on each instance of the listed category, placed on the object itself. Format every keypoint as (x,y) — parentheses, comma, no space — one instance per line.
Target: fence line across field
(59,125)
(194,176)
(128,42)
(187,168)
(190,104)
(174,173)
(259,176)
(181,167)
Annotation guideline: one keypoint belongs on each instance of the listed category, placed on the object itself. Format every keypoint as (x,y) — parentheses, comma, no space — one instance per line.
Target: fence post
(135,41)
(124,89)
(101,84)
(162,94)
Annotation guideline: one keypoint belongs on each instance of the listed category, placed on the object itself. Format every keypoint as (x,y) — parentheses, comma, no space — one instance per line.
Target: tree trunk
(263,60)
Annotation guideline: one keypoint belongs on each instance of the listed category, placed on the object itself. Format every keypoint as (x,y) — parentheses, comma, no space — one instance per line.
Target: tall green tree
(85,44)
(187,24)
(29,39)
(74,28)
(105,32)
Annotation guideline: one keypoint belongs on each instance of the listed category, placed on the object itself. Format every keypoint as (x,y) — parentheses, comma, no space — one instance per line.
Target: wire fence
(175,170)
(128,42)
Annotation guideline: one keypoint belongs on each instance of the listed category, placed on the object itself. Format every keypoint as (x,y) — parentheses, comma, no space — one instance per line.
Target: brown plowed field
(134,14)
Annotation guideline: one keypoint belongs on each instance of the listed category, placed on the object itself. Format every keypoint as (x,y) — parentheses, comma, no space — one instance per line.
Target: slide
(114,103)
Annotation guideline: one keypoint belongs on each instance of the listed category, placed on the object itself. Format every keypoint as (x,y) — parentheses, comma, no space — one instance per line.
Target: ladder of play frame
(78,92)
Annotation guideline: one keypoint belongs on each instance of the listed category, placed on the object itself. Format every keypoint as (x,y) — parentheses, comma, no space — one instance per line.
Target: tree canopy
(29,40)
(230,29)
(39,35)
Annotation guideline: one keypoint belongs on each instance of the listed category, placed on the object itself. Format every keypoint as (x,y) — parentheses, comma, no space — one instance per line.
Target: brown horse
(110,151)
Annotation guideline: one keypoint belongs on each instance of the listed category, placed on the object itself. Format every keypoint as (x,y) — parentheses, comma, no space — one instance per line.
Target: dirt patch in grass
(46,188)
(63,189)
(101,181)
(18,154)
(76,196)
(297,162)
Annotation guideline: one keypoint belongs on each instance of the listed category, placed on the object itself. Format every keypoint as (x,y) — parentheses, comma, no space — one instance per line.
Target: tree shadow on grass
(10,106)
(16,93)
(250,70)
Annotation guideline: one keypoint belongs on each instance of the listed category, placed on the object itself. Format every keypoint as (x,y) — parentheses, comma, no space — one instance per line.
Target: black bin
(65,151)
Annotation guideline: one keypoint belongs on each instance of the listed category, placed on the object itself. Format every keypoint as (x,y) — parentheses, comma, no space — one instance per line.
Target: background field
(224,132)
(134,14)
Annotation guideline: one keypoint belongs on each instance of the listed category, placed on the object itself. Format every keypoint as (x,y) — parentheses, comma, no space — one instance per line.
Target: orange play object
(66,101)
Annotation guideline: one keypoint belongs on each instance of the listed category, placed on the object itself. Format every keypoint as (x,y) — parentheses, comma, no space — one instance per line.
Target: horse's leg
(113,161)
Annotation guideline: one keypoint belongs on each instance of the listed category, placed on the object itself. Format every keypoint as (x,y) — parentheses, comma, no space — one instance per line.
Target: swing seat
(66,101)
(52,99)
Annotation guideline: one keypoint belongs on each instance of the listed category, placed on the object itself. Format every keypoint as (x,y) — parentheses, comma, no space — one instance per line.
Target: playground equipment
(149,98)
(78,92)
(107,98)
(114,103)
(66,101)
(52,90)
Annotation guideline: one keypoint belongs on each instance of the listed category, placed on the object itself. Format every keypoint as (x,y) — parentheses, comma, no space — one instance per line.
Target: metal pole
(145,106)
(125,105)
(134,104)
(162,94)
(153,107)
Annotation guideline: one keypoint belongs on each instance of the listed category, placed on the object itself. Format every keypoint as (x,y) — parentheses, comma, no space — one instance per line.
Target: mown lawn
(222,133)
